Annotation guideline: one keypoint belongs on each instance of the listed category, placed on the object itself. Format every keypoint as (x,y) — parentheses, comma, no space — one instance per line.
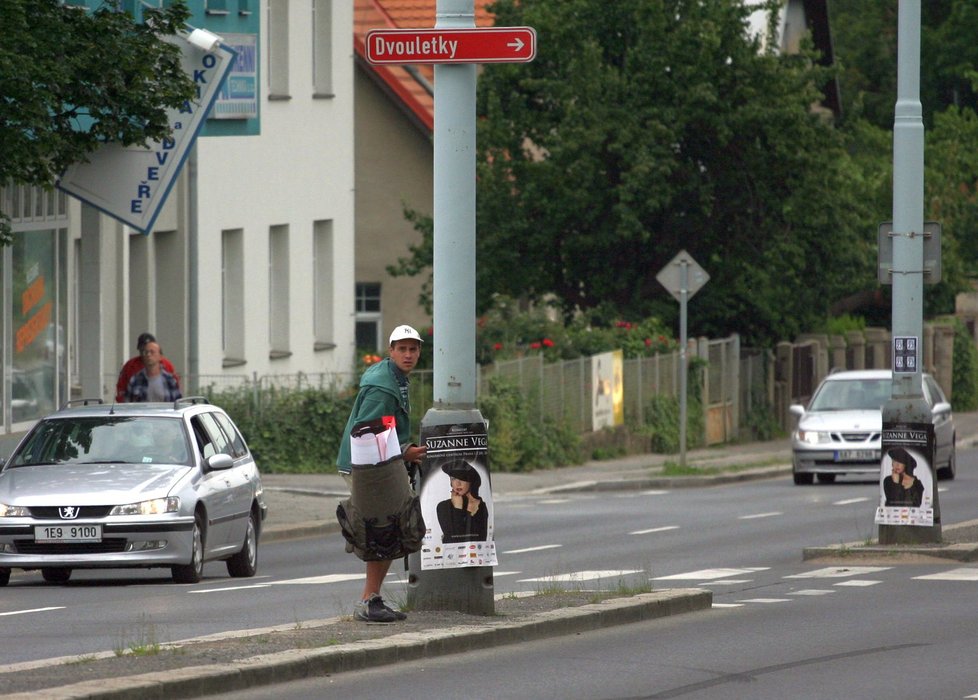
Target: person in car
(901,488)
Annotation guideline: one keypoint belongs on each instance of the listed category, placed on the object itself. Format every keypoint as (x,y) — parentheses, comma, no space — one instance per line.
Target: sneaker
(397,613)
(373,610)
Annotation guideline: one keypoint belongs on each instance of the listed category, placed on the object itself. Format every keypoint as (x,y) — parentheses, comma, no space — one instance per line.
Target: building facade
(249,267)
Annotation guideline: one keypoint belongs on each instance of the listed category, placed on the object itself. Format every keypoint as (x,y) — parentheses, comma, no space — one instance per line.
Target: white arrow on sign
(517,44)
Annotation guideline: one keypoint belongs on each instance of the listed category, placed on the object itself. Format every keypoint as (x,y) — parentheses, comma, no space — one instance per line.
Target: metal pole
(683,299)
(906,405)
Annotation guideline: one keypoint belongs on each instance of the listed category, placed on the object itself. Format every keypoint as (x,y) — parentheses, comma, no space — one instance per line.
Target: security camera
(203,39)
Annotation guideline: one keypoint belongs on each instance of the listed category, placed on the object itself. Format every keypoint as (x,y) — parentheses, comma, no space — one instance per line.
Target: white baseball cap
(404,333)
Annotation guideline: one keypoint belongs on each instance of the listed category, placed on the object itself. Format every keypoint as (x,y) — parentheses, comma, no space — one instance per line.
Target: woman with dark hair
(902,488)
(463,516)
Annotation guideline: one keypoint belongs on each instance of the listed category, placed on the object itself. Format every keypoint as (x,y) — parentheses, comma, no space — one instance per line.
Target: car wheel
(826,478)
(56,574)
(950,471)
(192,572)
(245,563)
(4,577)
(802,479)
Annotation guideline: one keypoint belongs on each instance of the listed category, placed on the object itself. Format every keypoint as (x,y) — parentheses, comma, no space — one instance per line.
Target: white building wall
(298,171)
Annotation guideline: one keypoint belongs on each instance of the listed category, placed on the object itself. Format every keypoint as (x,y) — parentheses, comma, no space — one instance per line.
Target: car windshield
(851,394)
(103,440)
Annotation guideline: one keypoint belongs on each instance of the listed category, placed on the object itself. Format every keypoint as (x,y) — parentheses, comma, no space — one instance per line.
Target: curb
(297,664)
(893,554)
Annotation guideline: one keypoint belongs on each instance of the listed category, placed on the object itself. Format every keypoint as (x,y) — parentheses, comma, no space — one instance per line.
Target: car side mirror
(796,409)
(941,408)
(219,462)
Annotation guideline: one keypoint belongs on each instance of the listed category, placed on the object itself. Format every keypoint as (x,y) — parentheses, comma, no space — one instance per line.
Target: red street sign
(481,45)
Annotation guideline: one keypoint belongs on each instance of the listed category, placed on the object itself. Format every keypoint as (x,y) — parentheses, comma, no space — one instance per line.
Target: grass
(671,468)
(145,642)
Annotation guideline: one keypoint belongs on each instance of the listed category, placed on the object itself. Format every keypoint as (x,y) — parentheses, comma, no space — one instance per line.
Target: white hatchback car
(840,431)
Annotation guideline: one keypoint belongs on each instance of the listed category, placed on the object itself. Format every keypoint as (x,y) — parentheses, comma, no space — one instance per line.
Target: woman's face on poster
(459,487)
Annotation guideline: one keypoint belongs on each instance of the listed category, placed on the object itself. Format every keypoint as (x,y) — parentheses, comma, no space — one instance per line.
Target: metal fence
(561,391)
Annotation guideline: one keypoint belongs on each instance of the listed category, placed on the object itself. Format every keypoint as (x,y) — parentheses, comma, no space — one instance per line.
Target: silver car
(840,431)
(131,485)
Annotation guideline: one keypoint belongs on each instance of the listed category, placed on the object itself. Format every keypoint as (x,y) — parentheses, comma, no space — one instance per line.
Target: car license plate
(67,533)
(856,456)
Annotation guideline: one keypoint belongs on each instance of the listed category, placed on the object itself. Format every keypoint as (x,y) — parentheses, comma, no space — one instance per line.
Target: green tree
(645,128)
(71,80)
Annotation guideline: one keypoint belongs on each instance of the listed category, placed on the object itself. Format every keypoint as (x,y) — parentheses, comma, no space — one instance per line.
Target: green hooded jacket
(379,396)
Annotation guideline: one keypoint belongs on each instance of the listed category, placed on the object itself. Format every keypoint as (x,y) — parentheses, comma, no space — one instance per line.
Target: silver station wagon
(840,432)
(131,485)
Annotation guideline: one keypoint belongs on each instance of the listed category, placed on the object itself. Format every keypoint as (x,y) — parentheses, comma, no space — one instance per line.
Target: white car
(100,486)
(840,431)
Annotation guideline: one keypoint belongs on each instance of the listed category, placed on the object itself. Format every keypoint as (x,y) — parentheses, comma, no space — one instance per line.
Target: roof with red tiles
(412,85)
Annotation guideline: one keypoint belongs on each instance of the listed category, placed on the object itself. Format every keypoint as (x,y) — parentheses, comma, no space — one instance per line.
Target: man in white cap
(384,392)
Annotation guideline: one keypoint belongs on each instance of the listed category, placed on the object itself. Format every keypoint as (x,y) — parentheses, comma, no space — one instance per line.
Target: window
(368,316)
(322,46)
(216,7)
(232,297)
(322,284)
(278,49)
(278,291)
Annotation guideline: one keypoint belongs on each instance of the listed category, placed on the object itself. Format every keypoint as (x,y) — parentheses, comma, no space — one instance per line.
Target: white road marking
(811,591)
(328,578)
(514,594)
(32,610)
(850,501)
(533,549)
(726,582)
(709,574)
(858,583)
(576,576)
(554,501)
(233,588)
(840,571)
(636,494)
(760,515)
(766,600)
(962,574)
(728,605)
(497,574)
(654,529)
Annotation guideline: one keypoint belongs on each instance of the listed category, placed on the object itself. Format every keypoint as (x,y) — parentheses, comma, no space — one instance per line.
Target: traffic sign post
(683,277)
(476,45)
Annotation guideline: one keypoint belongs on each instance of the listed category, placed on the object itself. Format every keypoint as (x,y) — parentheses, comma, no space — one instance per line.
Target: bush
(518,442)
(292,431)
(964,374)
(662,416)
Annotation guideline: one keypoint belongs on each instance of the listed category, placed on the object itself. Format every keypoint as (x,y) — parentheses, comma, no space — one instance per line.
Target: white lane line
(728,605)
(577,576)
(234,588)
(766,601)
(329,578)
(32,610)
(760,515)
(963,574)
(727,582)
(497,574)
(840,571)
(709,574)
(554,501)
(637,494)
(664,528)
(857,583)
(811,591)
(850,501)
(533,549)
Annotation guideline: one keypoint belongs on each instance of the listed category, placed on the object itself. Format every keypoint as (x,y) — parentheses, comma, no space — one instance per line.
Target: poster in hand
(456,498)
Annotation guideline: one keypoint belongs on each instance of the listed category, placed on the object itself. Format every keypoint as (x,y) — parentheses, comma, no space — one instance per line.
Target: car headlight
(13,511)
(154,507)
(813,437)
